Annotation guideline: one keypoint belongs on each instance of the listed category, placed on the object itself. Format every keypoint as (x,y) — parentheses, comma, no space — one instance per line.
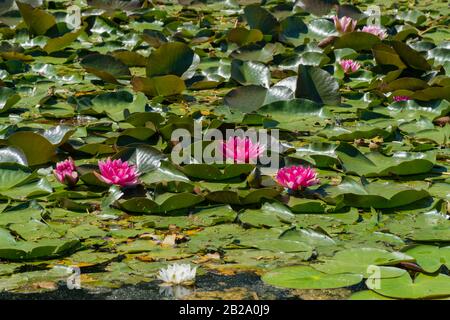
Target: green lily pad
(250,98)
(251,196)
(36,147)
(430,258)
(368,295)
(304,277)
(261,19)
(213,173)
(12,175)
(204,217)
(357,41)
(8,98)
(422,287)
(105,67)
(317,85)
(162,204)
(170,58)
(375,194)
(359,260)
(296,114)
(376,164)
(10,249)
(164,86)
(242,36)
(250,73)
(270,215)
(37,20)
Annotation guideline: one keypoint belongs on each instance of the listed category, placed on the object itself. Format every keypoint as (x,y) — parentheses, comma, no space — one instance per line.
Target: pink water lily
(376,31)
(241,150)
(117,172)
(66,172)
(297,177)
(349,65)
(401,98)
(344,24)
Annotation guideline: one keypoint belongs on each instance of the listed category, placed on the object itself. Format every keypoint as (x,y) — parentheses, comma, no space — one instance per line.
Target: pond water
(240,286)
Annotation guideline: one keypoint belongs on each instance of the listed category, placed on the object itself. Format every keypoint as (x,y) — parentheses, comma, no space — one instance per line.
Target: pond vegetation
(89,105)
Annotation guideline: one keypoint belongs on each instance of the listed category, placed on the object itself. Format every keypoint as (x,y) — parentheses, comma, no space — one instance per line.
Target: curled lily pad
(170,58)
(39,148)
(105,67)
(411,57)
(317,85)
(13,155)
(56,44)
(261,19)
(37,20)
(250,98)
(8,98)
(144,158)
(250,73)
(321,155)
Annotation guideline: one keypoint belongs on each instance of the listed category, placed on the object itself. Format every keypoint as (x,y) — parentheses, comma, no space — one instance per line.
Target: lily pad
(304,277)
(163,204)
(422,287)
(375,194)
(377,164)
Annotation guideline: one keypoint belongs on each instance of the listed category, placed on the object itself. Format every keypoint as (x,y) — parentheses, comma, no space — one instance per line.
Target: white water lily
(176,274)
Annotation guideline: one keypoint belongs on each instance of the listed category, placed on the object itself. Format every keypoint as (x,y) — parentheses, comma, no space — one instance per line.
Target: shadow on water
(242,286)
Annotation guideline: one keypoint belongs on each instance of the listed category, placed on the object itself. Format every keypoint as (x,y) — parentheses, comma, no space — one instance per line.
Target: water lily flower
(297,177)
(401,98)
(117,172)
(177,274)
(241,150)
(344,24)
(376,31)
(66,172)
(349,65)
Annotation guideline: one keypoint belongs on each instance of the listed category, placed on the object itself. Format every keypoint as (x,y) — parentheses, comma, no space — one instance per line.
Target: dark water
(209,286)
